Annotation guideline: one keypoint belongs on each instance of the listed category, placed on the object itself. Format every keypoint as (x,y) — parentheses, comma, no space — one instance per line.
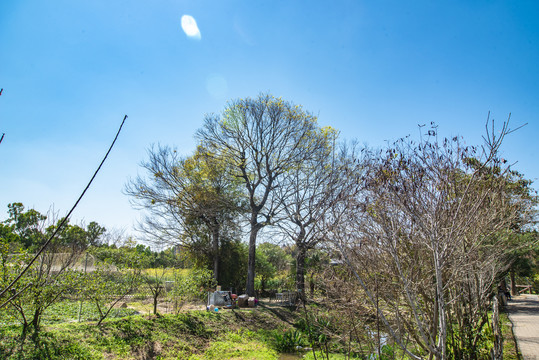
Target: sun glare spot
(190,28)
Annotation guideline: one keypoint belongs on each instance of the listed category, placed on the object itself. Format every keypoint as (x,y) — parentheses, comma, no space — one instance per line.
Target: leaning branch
(66,218)
(2,138)
(16,295)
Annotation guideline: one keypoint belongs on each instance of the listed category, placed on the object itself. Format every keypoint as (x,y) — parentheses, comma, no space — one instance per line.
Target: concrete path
(524,314)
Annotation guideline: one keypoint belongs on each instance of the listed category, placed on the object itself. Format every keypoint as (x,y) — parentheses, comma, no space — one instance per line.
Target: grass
(194,335)
(68,311)
(510,348)
(239,334)
(168,273)
(238,345)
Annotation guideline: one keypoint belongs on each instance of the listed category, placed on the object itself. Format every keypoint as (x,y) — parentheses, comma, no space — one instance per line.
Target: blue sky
(71,70)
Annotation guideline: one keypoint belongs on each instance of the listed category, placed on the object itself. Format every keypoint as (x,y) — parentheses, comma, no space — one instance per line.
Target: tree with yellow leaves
(261,139)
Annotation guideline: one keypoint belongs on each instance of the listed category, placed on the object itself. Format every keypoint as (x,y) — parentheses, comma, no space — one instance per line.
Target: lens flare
(190,28)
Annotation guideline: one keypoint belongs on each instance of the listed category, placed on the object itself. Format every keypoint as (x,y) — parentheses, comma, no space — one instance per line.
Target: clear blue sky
(372,69)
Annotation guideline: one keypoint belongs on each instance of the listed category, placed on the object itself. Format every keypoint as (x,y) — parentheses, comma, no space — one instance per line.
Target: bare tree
(156,284)
(188,200)
(428,228)
(261,139)
(311,192)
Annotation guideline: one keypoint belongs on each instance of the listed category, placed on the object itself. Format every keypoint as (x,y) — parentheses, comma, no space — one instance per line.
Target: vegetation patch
(240,334)
(510,348)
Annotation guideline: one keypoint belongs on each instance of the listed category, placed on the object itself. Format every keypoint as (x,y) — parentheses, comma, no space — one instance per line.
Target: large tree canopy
(261,139)
(191,201)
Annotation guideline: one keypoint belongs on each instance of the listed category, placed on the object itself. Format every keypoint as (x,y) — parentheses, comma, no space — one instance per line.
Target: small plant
(191,286)
(289,341)
(317,328)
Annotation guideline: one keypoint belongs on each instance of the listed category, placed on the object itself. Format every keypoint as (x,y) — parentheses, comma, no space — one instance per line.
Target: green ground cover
(262,333)
(510,348)
(241,334)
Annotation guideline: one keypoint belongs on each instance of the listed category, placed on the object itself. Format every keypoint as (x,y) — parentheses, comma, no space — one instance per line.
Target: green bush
(289,341)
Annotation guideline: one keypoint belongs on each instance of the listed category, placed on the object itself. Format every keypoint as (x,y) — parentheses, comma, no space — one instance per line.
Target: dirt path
(524,314)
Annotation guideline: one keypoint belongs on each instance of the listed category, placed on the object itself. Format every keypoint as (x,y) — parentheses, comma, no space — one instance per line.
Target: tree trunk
(35,326)
(216,255)
(514,290)
(300,272)
(155,296)
(497,348)
(442,329)
(250,286)
(24,333)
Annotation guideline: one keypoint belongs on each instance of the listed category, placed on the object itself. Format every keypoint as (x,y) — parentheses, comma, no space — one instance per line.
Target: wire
(65,219)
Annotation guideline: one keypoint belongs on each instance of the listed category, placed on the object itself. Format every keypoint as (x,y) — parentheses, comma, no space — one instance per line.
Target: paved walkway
(524,314)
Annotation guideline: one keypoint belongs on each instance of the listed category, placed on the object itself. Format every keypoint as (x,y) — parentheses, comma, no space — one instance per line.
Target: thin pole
(85,265)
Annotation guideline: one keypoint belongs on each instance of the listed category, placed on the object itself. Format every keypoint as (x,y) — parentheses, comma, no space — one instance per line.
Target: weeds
(289,341)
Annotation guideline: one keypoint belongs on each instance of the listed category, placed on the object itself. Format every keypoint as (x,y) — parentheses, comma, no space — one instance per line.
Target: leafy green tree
(167,258)
(94,233)
(276,255)
(524,258)
(9,237)
(51,277)
(70,236)
(233,264)
(47,281)
(265,270)
(124,256)
(271,261)
(27,225)
(520,237)
(16,305)
(144,250)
